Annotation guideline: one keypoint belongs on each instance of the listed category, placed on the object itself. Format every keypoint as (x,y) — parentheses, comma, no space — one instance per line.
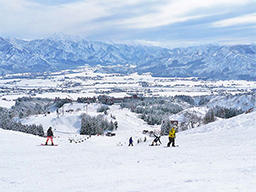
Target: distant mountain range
(59,51)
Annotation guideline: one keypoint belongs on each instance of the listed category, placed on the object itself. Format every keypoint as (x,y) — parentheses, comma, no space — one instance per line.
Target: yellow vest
(172,133)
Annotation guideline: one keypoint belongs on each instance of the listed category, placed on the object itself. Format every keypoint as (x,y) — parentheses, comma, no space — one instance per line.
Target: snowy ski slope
(218,157)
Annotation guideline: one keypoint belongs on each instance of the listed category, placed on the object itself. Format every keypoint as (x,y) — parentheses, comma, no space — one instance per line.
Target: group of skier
(157,138)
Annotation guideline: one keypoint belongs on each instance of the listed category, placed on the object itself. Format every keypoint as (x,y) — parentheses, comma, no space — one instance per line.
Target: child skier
(49,136)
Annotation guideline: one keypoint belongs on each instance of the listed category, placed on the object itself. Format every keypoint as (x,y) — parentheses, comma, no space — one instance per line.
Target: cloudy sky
(168,23)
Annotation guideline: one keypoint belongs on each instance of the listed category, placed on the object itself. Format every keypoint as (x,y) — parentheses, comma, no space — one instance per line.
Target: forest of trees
(7,122)
(26,106)
(153,110)
(156,110)
(96,125)
(221,112)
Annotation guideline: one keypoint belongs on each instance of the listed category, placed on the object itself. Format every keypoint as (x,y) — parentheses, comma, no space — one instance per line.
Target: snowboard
(171,146)
(49,144)
(154,145)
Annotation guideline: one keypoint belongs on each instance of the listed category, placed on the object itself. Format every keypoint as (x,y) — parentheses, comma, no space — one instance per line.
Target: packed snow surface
(218,157)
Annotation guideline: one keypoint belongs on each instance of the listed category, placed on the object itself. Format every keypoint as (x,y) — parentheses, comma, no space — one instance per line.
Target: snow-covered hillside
(217,157)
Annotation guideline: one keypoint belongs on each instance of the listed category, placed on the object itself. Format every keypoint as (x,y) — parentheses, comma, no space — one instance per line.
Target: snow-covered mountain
(216,157)
(61,51)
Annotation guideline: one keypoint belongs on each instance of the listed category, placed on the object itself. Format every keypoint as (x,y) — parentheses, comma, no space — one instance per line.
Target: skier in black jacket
(49,136)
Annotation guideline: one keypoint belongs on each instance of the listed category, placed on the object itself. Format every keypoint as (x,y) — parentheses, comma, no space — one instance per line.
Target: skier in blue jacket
(130,142)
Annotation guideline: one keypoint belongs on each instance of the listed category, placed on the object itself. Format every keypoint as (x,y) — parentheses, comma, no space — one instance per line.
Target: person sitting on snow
(157,138)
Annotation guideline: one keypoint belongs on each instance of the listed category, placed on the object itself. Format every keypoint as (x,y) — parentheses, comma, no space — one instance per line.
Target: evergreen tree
(165,127)
(209,116)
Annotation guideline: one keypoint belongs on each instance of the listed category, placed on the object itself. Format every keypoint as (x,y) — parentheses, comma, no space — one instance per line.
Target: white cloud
(178,11)
(246,19)
(112,18)
(75,17)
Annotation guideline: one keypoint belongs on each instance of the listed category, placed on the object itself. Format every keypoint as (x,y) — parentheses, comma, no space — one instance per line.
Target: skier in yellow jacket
(171,137)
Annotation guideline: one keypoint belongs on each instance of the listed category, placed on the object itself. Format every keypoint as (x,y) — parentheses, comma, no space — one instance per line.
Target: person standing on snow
(49,136)
(130,142)
(171,137)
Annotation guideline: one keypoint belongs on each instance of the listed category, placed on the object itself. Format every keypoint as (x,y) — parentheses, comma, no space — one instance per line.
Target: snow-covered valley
(217,157)
(87,82)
